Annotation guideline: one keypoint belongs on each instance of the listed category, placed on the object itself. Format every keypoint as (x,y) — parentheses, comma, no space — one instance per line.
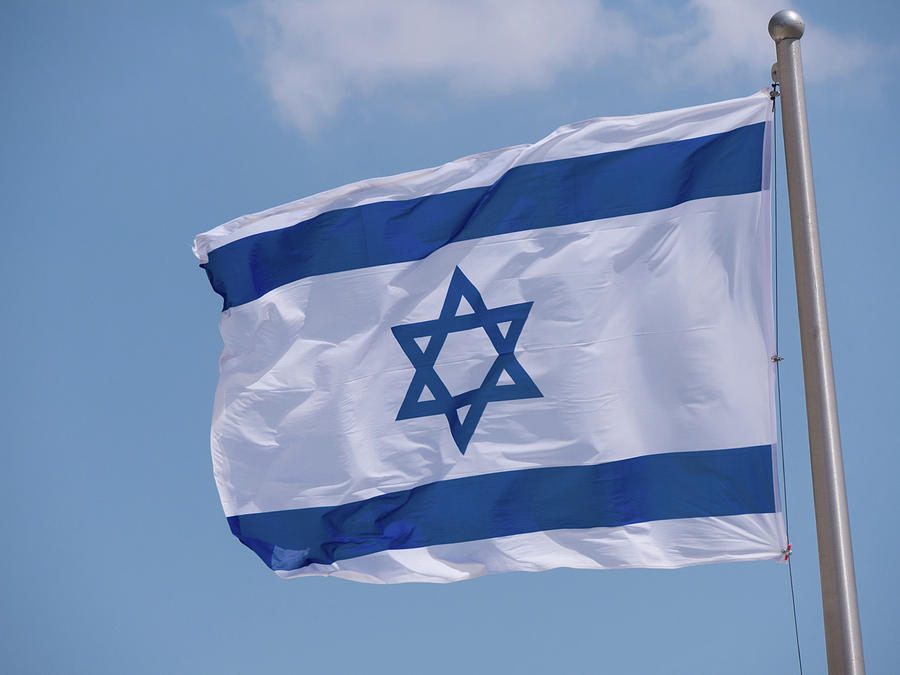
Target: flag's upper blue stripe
(641,489)
(531,196)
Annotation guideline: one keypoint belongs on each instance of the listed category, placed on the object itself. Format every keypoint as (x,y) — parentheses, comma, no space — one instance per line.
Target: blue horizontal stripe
(532,196)
(637,490)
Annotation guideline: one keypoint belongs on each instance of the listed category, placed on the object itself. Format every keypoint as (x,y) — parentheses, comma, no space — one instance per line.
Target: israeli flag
(551,355)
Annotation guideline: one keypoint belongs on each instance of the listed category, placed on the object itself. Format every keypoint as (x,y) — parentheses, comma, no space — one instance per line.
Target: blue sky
(130,127)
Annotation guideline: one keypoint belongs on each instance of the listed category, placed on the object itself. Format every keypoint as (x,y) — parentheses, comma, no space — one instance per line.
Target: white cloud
(718,38)
(317,54)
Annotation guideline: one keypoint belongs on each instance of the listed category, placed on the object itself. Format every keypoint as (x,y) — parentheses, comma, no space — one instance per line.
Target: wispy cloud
(317,54)
(718,38)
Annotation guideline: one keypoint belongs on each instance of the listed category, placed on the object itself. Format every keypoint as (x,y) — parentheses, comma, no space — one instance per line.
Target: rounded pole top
(786,24)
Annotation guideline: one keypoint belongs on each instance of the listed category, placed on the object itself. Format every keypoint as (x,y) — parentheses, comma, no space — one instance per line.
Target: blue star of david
(424,359)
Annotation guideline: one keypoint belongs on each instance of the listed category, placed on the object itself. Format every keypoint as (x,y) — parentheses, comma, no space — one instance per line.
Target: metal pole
(843,638)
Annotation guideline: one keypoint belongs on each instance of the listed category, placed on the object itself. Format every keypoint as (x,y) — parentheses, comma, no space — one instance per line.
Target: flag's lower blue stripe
(531,196)
(642,489)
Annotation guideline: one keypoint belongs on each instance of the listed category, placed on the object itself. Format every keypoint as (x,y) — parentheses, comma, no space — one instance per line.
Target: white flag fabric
(551,355)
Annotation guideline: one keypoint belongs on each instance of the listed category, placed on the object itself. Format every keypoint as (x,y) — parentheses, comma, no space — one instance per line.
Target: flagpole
(843,638)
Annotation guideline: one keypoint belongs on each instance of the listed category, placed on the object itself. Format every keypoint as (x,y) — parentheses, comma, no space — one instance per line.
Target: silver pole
(843,638)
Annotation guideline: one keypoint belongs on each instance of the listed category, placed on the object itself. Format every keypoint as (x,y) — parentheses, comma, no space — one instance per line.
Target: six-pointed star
(438,329)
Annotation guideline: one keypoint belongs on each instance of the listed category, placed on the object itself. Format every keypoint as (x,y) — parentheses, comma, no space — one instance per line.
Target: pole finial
(786,24)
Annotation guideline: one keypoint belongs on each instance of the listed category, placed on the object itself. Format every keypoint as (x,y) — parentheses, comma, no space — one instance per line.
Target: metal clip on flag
(551,355)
